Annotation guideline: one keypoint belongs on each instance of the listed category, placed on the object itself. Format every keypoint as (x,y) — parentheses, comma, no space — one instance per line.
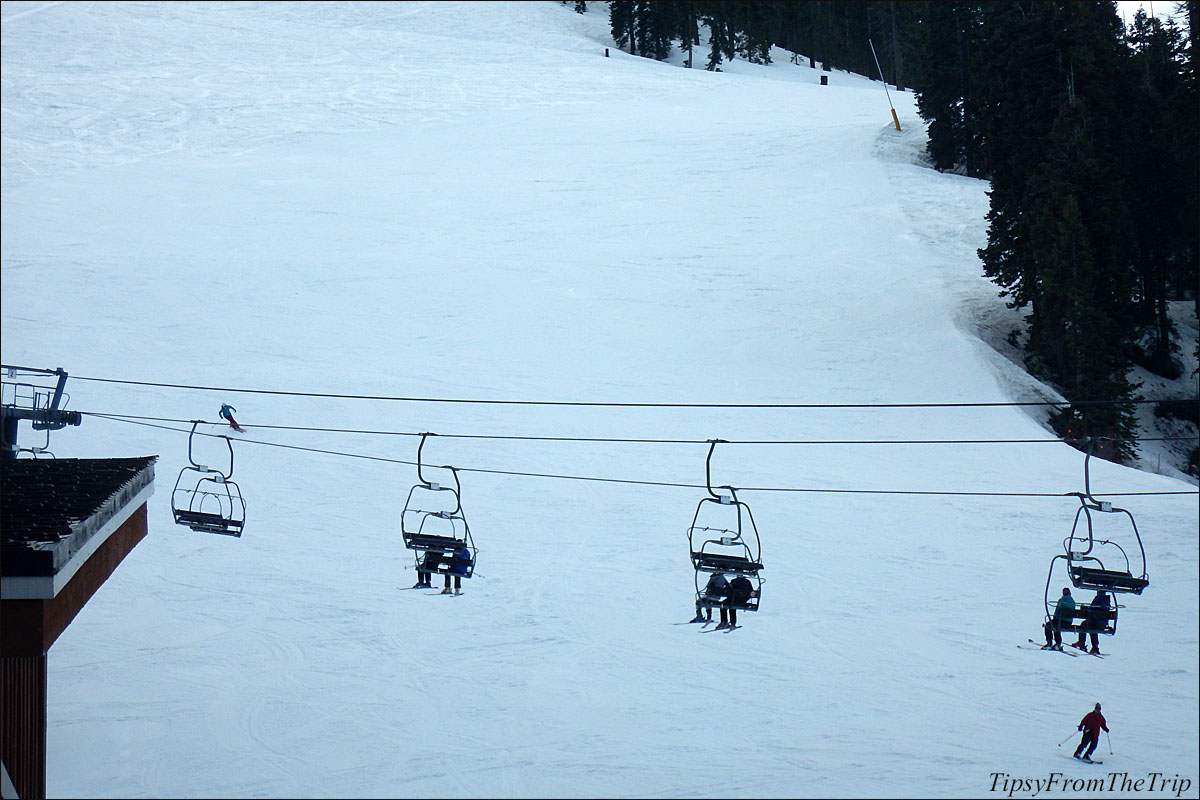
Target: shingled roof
(53,507)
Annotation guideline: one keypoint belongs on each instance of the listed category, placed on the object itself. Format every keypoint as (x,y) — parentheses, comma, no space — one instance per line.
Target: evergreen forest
(1084,124)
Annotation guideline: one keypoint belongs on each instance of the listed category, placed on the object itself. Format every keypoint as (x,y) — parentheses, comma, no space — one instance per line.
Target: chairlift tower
(41,405)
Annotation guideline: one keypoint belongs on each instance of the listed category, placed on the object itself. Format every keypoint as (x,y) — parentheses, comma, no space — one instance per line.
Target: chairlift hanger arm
(203,467)
(1087,475)
(421,447)
(712,445)
(425,481)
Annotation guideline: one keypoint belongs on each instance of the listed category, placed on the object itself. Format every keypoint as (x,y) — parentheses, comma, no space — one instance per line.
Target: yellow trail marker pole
(895,119)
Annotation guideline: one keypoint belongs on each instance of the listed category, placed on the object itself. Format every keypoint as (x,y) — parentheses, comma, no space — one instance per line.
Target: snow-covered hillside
(341,203)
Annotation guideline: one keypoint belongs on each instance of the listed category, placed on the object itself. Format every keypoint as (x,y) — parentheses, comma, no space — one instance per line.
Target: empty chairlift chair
(207,499)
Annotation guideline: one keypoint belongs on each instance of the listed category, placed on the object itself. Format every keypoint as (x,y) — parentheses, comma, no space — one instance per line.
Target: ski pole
(1107,736)
(1064,741)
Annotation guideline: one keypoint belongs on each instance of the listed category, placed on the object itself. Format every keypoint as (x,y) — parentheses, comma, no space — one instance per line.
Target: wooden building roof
(55,512)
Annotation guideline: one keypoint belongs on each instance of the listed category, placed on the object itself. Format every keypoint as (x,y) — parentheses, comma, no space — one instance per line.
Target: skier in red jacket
(1090,725)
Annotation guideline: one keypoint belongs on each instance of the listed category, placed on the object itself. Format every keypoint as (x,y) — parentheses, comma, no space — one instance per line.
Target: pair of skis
(1066,650)
(431,594)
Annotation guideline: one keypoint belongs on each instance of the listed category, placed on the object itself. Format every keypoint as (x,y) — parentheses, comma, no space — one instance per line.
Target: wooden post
(23,725)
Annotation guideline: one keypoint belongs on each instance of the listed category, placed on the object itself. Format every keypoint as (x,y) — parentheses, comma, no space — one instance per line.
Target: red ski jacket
(1093,722)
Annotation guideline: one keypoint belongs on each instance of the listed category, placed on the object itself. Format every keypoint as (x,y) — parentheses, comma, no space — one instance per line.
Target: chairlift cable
(668,484)
(608,404)
(629,440)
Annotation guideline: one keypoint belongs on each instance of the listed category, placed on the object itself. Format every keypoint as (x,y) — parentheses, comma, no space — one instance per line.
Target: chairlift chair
(208,500)
(730,545)
(1085,553)
(433,519)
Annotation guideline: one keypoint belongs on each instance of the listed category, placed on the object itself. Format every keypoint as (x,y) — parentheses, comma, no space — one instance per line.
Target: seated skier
(714,590)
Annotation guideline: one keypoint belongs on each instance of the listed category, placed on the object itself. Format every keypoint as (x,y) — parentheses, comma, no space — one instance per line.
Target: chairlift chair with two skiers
(207,499)
(1094,561)
(433,519)
(724,541)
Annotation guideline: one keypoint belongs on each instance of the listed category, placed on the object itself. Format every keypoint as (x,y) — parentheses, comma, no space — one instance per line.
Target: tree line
(1086,130)
(1085,127)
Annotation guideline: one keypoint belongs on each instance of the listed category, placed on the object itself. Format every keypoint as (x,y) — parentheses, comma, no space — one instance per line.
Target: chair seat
(208,523)
(717,562)
(429,541)
(1091,578)
(749,605)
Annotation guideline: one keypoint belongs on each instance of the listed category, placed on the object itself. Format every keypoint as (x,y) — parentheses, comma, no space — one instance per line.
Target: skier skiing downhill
(226,413)
(1090,725)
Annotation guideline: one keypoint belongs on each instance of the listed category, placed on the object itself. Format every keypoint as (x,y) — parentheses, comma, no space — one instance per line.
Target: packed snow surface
(332,203)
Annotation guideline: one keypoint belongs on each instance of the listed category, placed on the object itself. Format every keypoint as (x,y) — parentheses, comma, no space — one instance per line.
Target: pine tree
(1047,79)
(719,17)
(944,99)
(621,23)
(755,23)
(1162,120)
(686,25)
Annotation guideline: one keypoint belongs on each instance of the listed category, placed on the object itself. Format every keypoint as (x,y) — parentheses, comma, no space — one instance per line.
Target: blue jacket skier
(1064,614)
(459,562)
(226,413)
